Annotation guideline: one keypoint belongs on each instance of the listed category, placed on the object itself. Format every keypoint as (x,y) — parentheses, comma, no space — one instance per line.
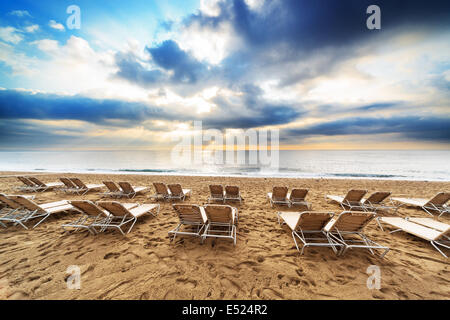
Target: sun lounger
(113,190)
(216,193)
(177,192)
(376,202)
(35,210)
(82,188)
(437,233)
(129,191)
(437,203)
(303,224)
(232,193)
(298,197)
(120,215)
(352,199)
(41,186)
(91,214)
(192,218)
(222,221)
(69,186)
(10,208)
(28,186)
(279,195)
(349,225)
(161,191)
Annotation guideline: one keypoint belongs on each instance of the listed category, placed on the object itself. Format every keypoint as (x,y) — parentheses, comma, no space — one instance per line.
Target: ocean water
(373,164)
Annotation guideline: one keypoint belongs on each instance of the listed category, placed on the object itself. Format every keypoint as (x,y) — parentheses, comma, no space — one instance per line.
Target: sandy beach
(263,265)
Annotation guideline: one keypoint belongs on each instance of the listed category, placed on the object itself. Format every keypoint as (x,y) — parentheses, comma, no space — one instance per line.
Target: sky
(137,74)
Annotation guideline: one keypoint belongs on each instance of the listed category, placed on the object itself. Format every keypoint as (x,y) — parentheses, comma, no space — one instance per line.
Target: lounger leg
(132,225)
(435,246)
(45,217)
(379,223)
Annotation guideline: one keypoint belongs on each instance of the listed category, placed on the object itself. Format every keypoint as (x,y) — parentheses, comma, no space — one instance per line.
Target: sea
(424,165)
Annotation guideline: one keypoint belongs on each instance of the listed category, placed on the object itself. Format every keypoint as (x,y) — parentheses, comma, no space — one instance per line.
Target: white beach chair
(437,203)
(41,186)
(232,193)
(192,221)
(279,195)
(303,225)
(129,191)
(35,210)
(82,188)
(376,202)
(352,200)
(121,216)
(298,198)
(177,192)
(216,193)
(222,221)
(437,233)
(161,191)
(347,228)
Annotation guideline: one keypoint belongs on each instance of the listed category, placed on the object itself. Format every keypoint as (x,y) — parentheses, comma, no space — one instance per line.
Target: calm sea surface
(404,165)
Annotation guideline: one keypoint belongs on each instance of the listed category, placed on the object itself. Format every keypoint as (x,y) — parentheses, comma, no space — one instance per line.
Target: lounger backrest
(9,202)
(37,181)
(78,183)
(26,203)
(161,188)
(378,197)
(440,199)
(353,221)
(176,189)
(232,191)
(87,207)
(313,221)
(298,194)
(216,190)
(26,181)
(355,196)
(126,187)
(112,186)
(68,183)
(189,213)
(114,207)
(219,213)
(279,193)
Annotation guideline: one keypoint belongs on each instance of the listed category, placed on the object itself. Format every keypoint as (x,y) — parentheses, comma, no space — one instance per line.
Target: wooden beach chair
(177,192)
(222,221)
(35,210)
(192,221)
(216,193)
(82,188)
(347,228)
(279,195)
(129,191)
(232,193)
(69,186)
(120,215)
(352,200)
(376,202)
(10,208)
(303,225)
(437,233)
(45,186)
(436,203)
(298,197)
(161,191)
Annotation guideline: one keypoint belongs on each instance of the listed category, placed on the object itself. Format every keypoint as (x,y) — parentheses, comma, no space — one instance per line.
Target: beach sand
(264,264)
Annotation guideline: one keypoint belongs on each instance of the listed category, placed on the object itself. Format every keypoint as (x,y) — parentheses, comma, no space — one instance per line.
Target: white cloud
(55,25)
(20,13)
(46,45)
(32,28)
(10,35)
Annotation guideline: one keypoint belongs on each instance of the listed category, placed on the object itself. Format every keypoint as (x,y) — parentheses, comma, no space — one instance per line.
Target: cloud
(20,13)
(10,35)
(32,28)
(55,25)
(409,127)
